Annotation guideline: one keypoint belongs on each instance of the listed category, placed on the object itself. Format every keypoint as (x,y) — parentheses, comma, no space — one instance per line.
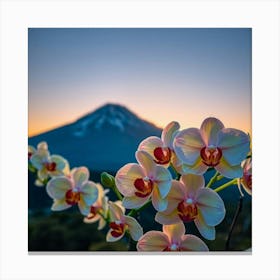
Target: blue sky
(184,74)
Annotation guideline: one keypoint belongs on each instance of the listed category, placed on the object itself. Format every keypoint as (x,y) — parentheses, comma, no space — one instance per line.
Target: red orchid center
(211,156)
(247,180)
(29,155)
(117,228)
(162,155)
(187,210)
(72,197)
(50,166)
(93,212)
(144,187)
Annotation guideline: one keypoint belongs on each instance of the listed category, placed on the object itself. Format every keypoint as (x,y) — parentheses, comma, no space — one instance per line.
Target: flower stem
(104,217)
(237,213)
(118,194)
(212,180)
(232,182)
(177,175)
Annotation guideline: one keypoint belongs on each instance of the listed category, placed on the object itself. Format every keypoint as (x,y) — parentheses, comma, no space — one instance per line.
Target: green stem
(117,192)
(232,182)
(212,180)
(177,175)
(105,218)
(220,177)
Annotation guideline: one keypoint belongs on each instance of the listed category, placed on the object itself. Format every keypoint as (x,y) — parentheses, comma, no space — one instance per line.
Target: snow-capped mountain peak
(104,139)
(113,115)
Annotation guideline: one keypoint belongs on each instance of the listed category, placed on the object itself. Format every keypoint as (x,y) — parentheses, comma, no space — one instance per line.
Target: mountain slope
(104,139)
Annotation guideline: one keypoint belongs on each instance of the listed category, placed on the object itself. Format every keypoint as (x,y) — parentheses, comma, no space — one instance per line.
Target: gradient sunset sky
(184,74)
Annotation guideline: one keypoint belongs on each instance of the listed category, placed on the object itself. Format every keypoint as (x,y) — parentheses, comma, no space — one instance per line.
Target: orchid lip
(211,155)
(143,186)
(187,211)
(162,155)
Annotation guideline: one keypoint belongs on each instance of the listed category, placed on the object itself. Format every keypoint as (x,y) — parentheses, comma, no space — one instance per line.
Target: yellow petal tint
(174,232)
(116,212)
(167,135)
(209,131)
(153,241)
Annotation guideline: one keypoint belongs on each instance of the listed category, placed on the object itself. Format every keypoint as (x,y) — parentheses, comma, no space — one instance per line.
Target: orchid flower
(212,145)
(99,209)
(46,164)
(172,238)
(121,223)
(246,179)
(73,189)
(161,149)
(189,200)
(140,182)
(31,151)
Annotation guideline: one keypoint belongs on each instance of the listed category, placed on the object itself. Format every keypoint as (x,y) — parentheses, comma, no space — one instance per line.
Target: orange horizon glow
(39,126)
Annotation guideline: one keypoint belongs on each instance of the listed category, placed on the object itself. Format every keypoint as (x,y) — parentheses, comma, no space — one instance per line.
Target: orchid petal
(126,177)
(229,171)
(83,207)
(187,145)
(168,133)
(163,179)
(116,212)
(60,204)
(146,161)
(209,131)
(159,203)
(211,206)
(205,230)
(174,232)
(118,203)
(36,161)
(31,149)
(90,218)
(80,175)
(197,168)
(235,145)
(153,241)
(192,243)
(134,202)
(175,196)
(43,174)
(168,219)
(60,161)
(89,192)
(42,146)
(102,223)
(192,183)
(135,230)
(57,187)
(150,144)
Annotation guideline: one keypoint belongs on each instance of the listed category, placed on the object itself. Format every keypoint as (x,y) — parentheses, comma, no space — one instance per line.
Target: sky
(161,74)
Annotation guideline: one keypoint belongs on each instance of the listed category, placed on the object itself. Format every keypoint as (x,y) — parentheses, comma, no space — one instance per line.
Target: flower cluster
(168,175)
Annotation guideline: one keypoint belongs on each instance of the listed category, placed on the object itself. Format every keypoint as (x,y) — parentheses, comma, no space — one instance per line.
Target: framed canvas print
(139,139)
(131,134)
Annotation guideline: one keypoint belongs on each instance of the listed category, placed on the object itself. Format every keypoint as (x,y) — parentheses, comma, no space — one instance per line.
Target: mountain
(103,140)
